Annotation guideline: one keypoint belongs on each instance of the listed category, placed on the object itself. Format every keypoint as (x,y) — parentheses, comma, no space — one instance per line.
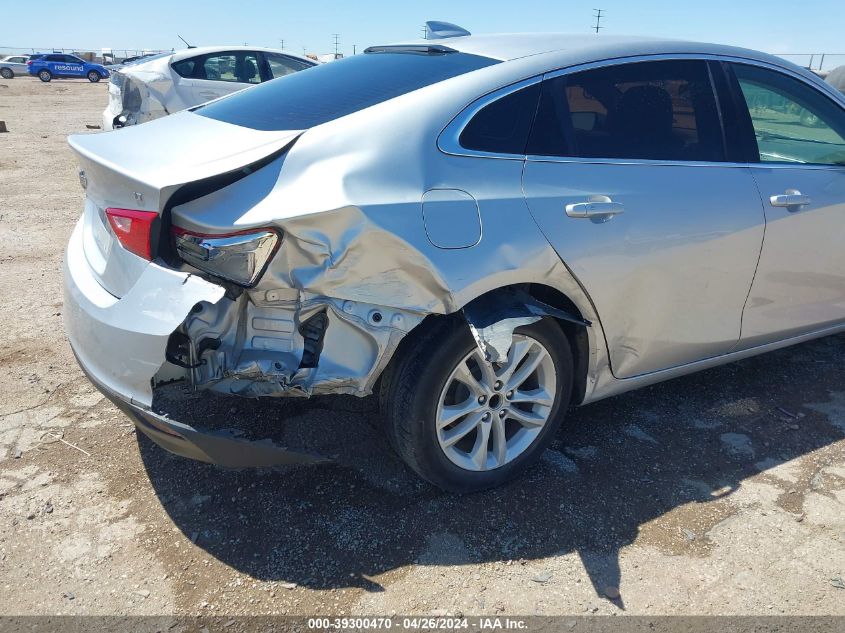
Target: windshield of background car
(329,91)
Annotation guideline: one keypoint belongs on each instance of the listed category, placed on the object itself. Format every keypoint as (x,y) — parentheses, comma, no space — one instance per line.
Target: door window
(281,65)
(235,67)
(219,67)
(663,110)
(793,123)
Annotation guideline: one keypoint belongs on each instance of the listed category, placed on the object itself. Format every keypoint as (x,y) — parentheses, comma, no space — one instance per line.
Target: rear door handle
(792,198)
(601,207)
(207,94)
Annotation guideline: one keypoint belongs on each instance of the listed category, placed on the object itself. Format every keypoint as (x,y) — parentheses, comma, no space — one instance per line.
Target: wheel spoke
(526,418)
(450,413)
(528,367)
(500,441)
(464,375)
(463,428)
(488,375)
(518,351)
(534,396)
(478,454)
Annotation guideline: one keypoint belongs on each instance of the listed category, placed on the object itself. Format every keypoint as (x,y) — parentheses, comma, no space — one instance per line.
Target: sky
(775,26)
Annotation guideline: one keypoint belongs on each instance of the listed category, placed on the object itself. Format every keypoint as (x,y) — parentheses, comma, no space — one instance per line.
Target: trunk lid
(140,167)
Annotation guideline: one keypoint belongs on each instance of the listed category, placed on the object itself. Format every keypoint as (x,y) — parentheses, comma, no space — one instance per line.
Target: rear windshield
(330,91)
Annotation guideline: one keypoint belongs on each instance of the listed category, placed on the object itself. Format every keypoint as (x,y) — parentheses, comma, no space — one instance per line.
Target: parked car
(63,66)
(485,230)
(13,65)
(836,78)
(170,82)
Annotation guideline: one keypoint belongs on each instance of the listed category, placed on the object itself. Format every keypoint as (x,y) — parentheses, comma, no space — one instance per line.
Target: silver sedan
(13,65)
(485,230)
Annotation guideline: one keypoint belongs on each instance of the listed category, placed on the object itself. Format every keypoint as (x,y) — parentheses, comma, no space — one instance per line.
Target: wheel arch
(586,342)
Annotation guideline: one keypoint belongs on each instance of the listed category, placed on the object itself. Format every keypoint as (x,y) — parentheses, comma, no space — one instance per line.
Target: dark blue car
(61,65)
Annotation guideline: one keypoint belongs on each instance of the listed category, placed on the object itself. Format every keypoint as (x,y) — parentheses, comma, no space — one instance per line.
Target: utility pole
(425,32)
(336,44)
(283,43)
(598,15)
(354,49)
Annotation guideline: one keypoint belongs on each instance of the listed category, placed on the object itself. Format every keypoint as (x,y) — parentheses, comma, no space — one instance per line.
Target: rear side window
(185,67)
(793,123)
(664,110)
(330,91)
(502,126)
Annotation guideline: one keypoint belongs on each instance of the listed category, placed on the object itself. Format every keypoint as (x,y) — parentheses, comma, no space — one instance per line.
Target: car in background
(836,78)
(64,66)
(12,65)
(155,87)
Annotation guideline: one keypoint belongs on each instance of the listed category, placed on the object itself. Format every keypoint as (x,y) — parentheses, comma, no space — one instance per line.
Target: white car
(12,65)
(168,83)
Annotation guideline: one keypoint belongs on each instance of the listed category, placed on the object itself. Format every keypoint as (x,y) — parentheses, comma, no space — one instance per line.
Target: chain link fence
(824,62)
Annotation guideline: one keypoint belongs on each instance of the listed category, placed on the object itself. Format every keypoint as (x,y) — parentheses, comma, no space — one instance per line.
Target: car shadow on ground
(614,466)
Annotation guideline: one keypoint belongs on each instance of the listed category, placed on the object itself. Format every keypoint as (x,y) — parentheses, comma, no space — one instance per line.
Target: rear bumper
(120,345)
(108,119)
(213,447)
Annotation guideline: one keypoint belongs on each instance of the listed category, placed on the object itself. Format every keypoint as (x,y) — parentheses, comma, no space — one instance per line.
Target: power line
(598,14)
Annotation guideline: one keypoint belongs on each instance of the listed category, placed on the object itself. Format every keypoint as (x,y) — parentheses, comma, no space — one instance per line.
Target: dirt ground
(720,493)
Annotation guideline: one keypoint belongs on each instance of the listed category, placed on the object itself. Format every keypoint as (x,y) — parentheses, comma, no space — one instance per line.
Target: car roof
(204,50)
(583,48)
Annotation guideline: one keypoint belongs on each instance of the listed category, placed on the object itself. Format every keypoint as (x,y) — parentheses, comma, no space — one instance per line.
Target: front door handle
(599,207)
(791,199)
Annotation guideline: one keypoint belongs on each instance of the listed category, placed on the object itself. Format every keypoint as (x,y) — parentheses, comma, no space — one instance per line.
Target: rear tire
(7,73)
(419,389)
(94,76)
(45,76)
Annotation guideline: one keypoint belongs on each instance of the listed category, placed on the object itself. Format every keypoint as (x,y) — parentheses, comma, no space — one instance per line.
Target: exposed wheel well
(576,334)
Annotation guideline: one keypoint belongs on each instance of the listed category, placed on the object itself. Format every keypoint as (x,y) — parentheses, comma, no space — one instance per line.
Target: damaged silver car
(155,86)
(485,230)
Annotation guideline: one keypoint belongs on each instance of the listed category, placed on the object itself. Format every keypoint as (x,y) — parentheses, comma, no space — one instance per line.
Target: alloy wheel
(489,414)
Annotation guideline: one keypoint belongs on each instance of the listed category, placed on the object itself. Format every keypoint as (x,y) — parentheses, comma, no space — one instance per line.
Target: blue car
(61,65)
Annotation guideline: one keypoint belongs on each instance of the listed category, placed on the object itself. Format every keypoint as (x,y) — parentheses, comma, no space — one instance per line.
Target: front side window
(281,65)
(793,123)
(502,126)
(662,110)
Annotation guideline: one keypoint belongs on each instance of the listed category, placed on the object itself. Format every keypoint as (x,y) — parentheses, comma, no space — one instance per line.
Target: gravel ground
(720,493)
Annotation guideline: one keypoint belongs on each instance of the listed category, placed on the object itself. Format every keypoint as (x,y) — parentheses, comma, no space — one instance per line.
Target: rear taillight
(239,257)
(29,62)
(133,229)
